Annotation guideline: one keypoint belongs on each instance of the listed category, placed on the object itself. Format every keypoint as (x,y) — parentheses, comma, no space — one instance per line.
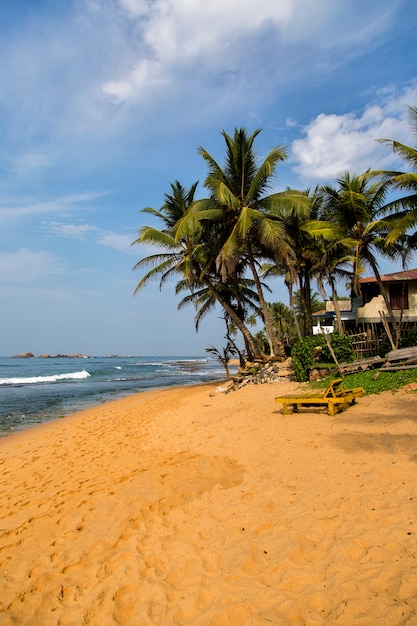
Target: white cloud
(290,122)
(26,164)
(144,76)
(116,241)
(68,68)
(81,232)
(24,207)
(137,8)
(90,233)
(25,266)
(172,38)
(336,143)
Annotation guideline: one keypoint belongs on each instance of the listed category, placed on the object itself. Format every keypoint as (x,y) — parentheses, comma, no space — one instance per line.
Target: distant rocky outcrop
(63,356)
(30,355)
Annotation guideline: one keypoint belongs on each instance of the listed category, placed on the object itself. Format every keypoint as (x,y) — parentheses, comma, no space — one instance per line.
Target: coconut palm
(358,207)
(304,234)
(187,258)
(405,206)
(282,320)
(285,269)
(237,210)
(243,301)
(332,261)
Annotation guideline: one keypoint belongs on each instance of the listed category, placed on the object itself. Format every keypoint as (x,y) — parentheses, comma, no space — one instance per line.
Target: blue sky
(103,104)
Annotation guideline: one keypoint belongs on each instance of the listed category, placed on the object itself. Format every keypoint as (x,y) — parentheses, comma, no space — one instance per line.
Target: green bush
(304,358)
(342,348)
(302,355)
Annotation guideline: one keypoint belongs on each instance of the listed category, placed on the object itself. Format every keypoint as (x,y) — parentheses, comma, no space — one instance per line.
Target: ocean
(38,390)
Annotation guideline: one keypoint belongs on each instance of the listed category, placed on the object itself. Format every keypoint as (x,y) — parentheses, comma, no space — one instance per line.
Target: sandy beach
(191,506)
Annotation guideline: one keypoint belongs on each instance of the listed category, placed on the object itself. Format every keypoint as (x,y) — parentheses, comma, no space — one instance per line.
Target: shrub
(342,348)
(303,357)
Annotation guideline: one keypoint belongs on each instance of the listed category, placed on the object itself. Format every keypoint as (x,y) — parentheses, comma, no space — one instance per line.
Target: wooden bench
(335,397)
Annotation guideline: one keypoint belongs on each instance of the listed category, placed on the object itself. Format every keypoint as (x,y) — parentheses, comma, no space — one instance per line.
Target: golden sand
(189,506)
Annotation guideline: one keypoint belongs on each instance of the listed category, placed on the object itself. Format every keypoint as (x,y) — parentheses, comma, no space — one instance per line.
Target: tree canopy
(222,248)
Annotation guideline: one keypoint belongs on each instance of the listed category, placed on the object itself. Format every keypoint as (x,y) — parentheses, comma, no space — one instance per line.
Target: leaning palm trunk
(305,296)
(339,323)
(274,348)
(292,309)
(383,291)
(250,341)
(309,313)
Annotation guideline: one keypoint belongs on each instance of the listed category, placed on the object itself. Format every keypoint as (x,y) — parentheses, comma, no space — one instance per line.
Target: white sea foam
(30,380)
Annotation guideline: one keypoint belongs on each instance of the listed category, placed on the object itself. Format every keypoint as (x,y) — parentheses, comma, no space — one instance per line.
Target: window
(398,295)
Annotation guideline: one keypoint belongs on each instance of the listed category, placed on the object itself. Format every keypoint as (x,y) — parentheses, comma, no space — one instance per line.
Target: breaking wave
(53,378)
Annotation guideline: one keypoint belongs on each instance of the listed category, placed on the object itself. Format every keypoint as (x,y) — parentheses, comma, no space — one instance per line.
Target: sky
(104,103)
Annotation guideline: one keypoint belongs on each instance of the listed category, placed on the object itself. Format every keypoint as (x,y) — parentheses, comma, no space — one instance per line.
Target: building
(364,314)
(402,292)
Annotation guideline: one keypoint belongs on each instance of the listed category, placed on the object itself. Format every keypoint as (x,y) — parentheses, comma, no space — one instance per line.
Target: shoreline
(189,506)
(38,393)
(97,406)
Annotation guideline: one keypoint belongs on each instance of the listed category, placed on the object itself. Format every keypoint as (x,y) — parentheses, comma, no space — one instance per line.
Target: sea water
(38,390)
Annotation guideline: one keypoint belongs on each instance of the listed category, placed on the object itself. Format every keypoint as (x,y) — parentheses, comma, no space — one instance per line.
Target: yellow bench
(335,397)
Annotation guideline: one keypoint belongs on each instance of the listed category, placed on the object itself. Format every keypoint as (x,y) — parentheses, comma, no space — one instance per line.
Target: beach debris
(262,372)
(225,387)
(361,365)
(402,359)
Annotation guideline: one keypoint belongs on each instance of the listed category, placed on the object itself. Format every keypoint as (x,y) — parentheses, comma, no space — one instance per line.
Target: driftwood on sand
(402,359)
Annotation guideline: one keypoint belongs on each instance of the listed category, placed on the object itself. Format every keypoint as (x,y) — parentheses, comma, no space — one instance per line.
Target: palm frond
(262,178)
(154,237)
(160,269)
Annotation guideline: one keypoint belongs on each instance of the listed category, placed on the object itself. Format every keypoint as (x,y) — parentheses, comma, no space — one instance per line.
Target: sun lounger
(334,397)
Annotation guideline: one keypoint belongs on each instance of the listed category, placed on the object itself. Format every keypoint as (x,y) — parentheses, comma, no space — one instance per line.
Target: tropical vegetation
(222,249)
(385,381)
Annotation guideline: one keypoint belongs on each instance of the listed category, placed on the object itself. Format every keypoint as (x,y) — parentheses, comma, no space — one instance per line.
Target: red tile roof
(390,278)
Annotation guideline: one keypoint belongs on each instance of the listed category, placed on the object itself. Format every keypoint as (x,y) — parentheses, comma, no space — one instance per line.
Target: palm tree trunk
(292,309)
(274,348)
(339,323)
(233,343)
(305,300)
(308,313)
(383,291)
(250,342)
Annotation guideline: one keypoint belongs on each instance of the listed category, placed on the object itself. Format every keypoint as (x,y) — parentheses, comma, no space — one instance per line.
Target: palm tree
(186,257)
(243,301)
(175,256)
(304,234)
(316,303)
(358,207)
(175,206)
(285,269)
(330,267)
(282,320)
(237,210)
(331,259)
(404,207)
(223,356)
